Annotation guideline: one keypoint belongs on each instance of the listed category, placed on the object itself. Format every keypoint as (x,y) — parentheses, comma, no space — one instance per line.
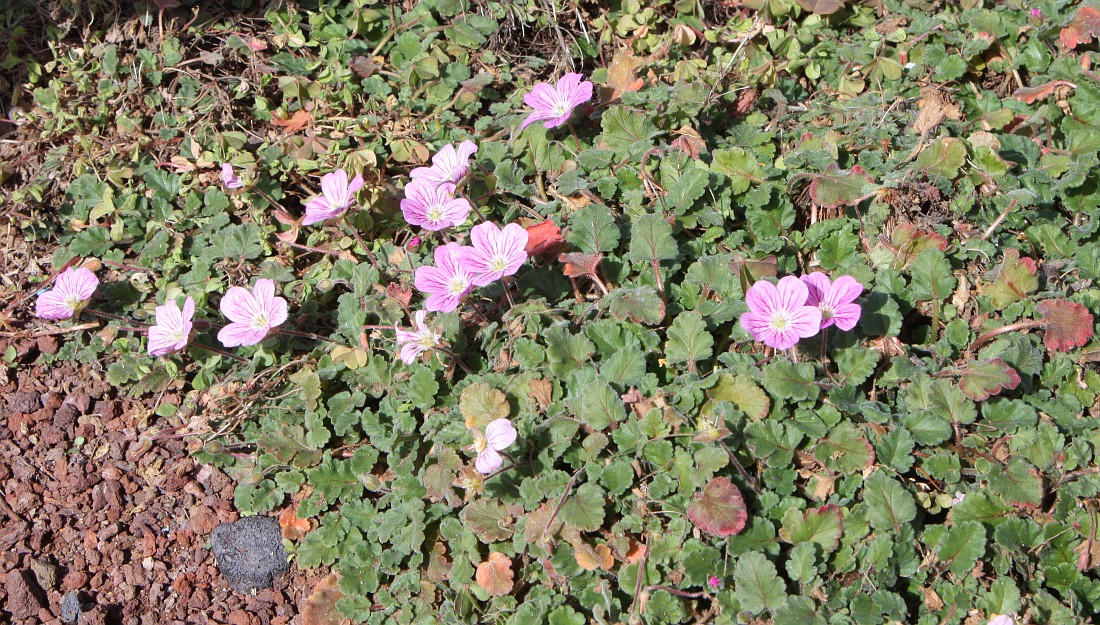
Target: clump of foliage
(643,458)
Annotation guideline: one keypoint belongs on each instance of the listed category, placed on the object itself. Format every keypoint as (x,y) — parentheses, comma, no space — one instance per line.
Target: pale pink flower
(834,299)
(70,290)
(253,314)
(448,281)
(337,194)
(229,178)
(555,104)
(1002,619)
(499,435)
(449,165)
(173,328)
(778,315)
(418,340)
(432,206)
(496,253)
(958,498)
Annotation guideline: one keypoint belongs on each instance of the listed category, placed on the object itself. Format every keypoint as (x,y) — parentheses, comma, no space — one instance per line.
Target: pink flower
(71,289)
(555,104)
(448,281)
(253,315)
(834,299)
(173,328)
(230,179)
(496,253)
(778,315)
(449,165)
(714,582)
(337,194)
(1002,619)
(498,436)
(433,207)
(417,341)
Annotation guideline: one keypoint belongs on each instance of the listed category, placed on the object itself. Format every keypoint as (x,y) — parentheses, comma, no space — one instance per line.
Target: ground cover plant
(673,312)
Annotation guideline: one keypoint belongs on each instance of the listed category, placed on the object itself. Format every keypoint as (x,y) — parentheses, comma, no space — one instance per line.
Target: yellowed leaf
(495,575)
(621,77)
(320,607)
(295,123)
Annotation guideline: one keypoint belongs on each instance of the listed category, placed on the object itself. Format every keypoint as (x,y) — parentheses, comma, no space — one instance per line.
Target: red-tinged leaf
(1016,279)
(621,76)
(1085,27)
(1088,554)
(837,186)
(823,526)
(293,526)
(495,575)
(320,607)
(296,122)
(821,7)
(1068,324)
(543,238)
(1029,95)
(908,242)
(579,264)
(284,218)
(983,378)
(719,509)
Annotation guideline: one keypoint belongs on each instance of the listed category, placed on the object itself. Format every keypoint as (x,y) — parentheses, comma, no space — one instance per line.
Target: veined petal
(500,434)
(792,293)
(238,305)
(844,291)
(240,334)
(846,316)
(488,460)
(804,321)
(51,305)
(335,186)
(817,285)
(762,298)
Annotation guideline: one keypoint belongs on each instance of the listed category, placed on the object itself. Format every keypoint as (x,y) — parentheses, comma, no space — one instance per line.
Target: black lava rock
(249,552)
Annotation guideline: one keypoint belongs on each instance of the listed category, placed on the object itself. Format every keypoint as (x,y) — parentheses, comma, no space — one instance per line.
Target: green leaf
(627,132)
(688,340)
(742,392)
(756,584)
(940,398)
(651,239)
(961,546)
(1017,482)
(1016,279)
(489,519)
(822,525)
(688,188)
(600,406)
(593,230)
(788,380)
(739,166)
(845,450)
(584,510)
(981,379)
(943,157)
(567,352)
(638,304)
(889,505)
(932,277)
(719,509)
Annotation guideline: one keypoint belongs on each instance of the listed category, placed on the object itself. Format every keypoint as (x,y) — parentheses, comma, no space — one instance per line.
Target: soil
(92,505)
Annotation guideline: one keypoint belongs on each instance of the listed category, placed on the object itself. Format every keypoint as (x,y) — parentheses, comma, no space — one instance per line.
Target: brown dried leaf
(284,218)
(935,106)
(689,141)
(578,264)
(591,558)
(1085,27)
(320,608)
(1028,95)
(293,526)
(620,75)
(295,123)
(495,575)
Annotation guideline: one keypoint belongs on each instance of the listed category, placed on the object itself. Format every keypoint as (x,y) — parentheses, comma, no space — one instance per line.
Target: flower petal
(844,291)
(240,334)
(847,316)
(792,293)
(500,434)
(818,285)
(488,461)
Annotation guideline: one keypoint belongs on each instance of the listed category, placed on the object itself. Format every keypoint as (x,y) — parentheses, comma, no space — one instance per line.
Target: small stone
(45,573)
(70,607)
(24,597)
(249,552)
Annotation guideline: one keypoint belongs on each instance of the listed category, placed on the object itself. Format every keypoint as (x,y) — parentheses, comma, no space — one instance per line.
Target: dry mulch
(90,504)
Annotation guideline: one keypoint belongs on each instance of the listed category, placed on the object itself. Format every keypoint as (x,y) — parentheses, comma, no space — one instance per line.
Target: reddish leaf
(299,120)
(984,378)
(689,141)
(293,526)
(579,264)
(1029,95)
(719,509)
(494,576)
(1015,280)
(908,242)
(284,218)
(821,7)
(837,186)
(543,238)
(1068,324)
(1085,26)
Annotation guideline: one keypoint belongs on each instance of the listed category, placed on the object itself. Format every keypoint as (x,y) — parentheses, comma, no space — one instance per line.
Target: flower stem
(1019,325)
(219,351)
(363,244)
(100,313)
(304,335)
(575,137)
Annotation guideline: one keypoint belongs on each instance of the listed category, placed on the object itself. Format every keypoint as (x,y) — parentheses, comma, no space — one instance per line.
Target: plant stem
(304,335)
(220,352)
(575,137)
(1019,325)
(363,244)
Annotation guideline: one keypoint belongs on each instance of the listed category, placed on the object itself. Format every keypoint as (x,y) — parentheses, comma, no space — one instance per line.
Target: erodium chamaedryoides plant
(782,314)
(71,291)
